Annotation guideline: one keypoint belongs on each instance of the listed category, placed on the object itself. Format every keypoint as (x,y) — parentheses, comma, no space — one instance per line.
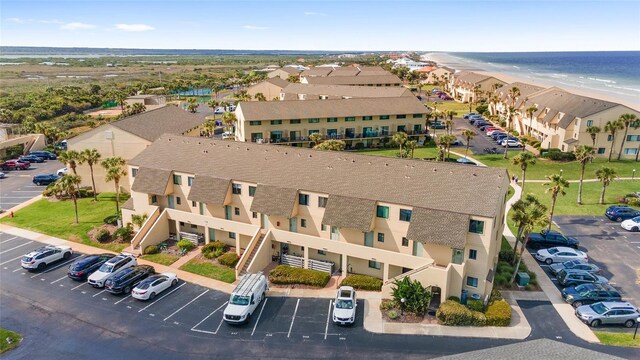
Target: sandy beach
(455,63)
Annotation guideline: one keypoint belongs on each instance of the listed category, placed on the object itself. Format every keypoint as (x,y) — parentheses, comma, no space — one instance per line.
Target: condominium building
(324,210)
(358,80)
(283,73)
(467,86)
(324,92)
(270,88)
(365,120)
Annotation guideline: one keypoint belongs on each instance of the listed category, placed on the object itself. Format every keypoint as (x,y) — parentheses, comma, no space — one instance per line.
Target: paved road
(17,187)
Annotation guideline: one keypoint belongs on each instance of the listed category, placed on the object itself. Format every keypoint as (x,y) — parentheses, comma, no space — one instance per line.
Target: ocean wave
(559,75)
(602,80)
(622,88)
(516,67)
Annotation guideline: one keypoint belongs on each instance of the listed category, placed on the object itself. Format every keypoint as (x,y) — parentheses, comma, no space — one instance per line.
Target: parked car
(45,179)
(609,313)
(227,135)
(2,175)
(445,97)
(14,165)
(39,258)
(148,288)
(126,279)
(575,277)
(219,110)
(44,154)
(631,224)
(511,143)
(589,294)
(435,90)
(438,125)
(465,161)
(61,172)
(493,131)
(62,145)
(31,159)
(344,306)
(559,254)
(245,298)
(419,97)
(109,268)
(574,265)
(619,213)
(87,265)
(549,238)
(498,134)
(466,116)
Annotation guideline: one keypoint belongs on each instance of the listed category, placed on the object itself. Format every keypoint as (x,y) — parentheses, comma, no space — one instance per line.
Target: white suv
(39,258)
(109,268)
(344,306)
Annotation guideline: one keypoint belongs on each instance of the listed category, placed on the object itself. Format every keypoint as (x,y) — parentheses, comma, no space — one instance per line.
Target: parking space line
(219,325)
(185,305)
(18,269)
(99,293)
(326,329)
(4,241)
(55,281)
(205,319)
(14,259)
(163,296)
(13,248)
(53,268)
(84,283)
(121,300)
(293,318)
(260,314)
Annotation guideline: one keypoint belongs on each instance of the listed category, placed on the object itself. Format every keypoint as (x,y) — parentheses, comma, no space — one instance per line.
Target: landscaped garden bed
(474,313)
(409,303)
(204,267)
(287,275)
(8,340)
(362,282)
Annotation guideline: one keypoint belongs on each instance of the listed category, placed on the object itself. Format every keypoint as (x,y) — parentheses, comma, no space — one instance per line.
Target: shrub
(495,295)
(286,275)
(124,233)
(498,313)
(218,245)
(557,155)
(454,298)
(633,201)
(416,296)
(475,305)
(387,304)
(362,282)
(185,245)
(392,314)
(213,249)
(506,256)
(151,249)
(103,235)
(480,109)
(359,146)
(229,259)
(85,193)
(454,314)
(112,219)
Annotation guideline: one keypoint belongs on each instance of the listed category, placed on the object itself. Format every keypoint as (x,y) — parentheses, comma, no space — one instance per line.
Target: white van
(245,298)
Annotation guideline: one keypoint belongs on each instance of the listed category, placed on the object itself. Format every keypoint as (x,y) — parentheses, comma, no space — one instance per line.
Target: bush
(392,314)
(416,296)
(229,259)
(287,275)
(213,249)
(362,282)
(495,295)
(103,235)
(185,245)
(387,304)
(85,193)
(454,314)
(498,313)
(633,201)
(151,249)
(112,219)
(475,305)
(480,109)
(359,146)
(506,256)
(454,298)
(124,233)
(557,155)
(218,245)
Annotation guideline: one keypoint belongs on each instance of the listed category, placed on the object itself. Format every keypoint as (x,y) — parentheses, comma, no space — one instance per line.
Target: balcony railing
(349,136)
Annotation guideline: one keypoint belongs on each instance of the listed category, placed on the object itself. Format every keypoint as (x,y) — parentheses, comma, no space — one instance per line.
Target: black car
(44,154)
(126,279)
(32,159)
(549,238)
(590,293)
(621,213)
(45,179)
(86,265)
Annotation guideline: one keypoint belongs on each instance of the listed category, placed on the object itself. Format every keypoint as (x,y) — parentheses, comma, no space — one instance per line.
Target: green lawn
(618,339)
(57,218)
(163,259)
(210,270)
(446,106)
(4,344)
(419,153)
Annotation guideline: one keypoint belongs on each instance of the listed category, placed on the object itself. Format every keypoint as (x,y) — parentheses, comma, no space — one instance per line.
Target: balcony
(347,136)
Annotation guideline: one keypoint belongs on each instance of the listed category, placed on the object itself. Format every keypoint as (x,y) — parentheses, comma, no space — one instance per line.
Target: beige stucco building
(283,73)
(330,211)
(462,85)
(270,88)
(324,92)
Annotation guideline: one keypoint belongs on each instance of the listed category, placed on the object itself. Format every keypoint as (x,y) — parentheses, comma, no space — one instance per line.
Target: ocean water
(614,73)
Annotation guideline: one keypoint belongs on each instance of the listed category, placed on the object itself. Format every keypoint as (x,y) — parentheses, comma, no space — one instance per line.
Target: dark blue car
(44,154)
(86,265)
(621,213)
(45,179)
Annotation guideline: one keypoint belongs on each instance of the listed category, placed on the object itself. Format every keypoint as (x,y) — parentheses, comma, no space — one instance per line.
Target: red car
(15,165)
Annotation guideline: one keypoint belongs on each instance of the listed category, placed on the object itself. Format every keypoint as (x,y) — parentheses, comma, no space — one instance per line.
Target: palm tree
(476,89)
(556,186)
(121,99)
(530,111)
(213,105)
(451,114)
(400,138)
(70,158)
(528,214)
(427,121)
(260,97)
(315,138)
(411,145)
(91,157)
(606,175)
(114,167)
(584,154)
(449,125)
(524,160)
(612,127)
(69,184)
(514,92)
(626,120)
(445,141)
(593,131)
(192,104)
(229,119)
(243,95)
(468,134)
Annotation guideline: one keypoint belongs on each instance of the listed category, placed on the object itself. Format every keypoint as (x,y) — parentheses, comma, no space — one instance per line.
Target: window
(384,117)
(332,119)
(190,180)
(473,254)
(303,199)
(405,215)
(313,131)
(255,123)
(609,137)
(322,252)
(323,227)
(154,199)
(471,281)
(633,137)
(254,214)
(417,116)
(601,150)
(177,180)
(236,189)
(350,118)
(276,122)
(476,226)
(194,226)
(236,211)
(366,118)
(181,223)
(374,265)
(457,256)
(252,191)
(630,151)
(314,121)
(256,136)
(589,123)
(201,208)
(405,242)
(134,172)
(322,202)
(294,121)
(193,204)
(402,116)
(232,235)
(380,237)
(178,200)
(382,212)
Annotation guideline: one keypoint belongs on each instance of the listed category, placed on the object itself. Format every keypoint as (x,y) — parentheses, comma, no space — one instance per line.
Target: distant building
(270,88)
(462,85)
(283,73)
(149,101)
(324,92)
(360,80)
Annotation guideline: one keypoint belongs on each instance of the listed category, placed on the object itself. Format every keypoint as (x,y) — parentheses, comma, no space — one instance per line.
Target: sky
(442,25)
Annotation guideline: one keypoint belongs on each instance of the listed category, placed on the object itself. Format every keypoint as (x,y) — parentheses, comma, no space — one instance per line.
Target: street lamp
(561,172)
(633,175)
(403,300)
(636,332)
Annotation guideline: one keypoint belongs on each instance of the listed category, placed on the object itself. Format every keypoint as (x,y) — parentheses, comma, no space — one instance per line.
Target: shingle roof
(477,191)
(278,81)
(566,120)
(278,110)
(274,200)
(347,71)
(149,125)
(345,90)
(355,80)
(317,71)
(209,190)
(349,212)
(550,115)
(471,77)
(151,180)
(128,205)
(563,101)
(438,227)
(289,69)
(525,89)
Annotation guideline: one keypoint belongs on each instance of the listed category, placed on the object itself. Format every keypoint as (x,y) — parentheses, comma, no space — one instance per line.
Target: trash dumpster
(522,279)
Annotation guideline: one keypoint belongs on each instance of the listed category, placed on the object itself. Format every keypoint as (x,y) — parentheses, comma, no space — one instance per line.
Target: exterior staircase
(254,250)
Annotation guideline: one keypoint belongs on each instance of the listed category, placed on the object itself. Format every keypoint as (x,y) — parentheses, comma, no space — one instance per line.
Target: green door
(212,234)
(335,233)
(293,225)
(171,201)
(227,212)
(264,221)
(368,239)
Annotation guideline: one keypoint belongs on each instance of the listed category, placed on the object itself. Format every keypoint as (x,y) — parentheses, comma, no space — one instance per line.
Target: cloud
(134,27)
(54,21)
(76,26)
(253,27)
(313,13)
(20,20)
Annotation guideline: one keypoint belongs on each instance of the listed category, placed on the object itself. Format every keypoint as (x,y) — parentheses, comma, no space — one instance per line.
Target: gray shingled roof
(278,81)
(128,205)
(149,125)
(565,102)
(355,80)
(477,190)
(151,180)
(349,212)
(345,71)
(277,110)
(566,120)
(470,77)
(550,115)
(317,71)
(274,200)
(438,227)
(209,190)
(525,89)
(346,90)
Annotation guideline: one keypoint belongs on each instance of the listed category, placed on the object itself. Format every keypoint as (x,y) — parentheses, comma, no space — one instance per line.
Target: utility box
(522,279)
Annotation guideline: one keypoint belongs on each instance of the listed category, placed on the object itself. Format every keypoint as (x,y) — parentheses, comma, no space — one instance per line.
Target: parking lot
(187,306)
(480,141)
(18,187)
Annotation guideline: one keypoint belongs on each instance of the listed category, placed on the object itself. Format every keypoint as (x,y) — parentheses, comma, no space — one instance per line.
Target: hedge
(286,275)
(213,249)
(151,249)
(362,282)
(475,305)
(103,235)
(185,245)
(498,313)
(455,314)
(229,259)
